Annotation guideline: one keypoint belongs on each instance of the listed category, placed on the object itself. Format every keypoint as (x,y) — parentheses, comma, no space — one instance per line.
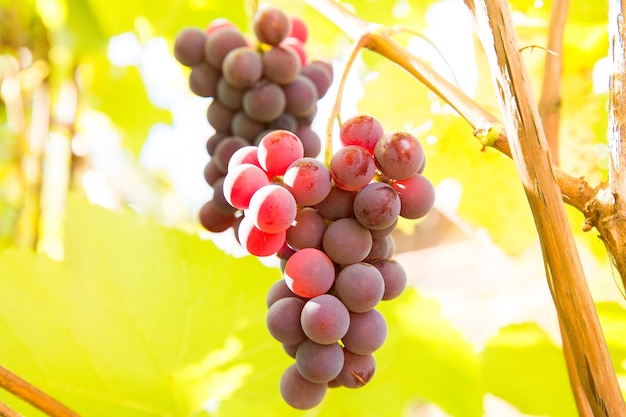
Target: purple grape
(399,155)
(299,392)
(319,363)
(367,332)
(377,206)
(283,320)
(357,370)
(346,241)
(360,287)
(325,319)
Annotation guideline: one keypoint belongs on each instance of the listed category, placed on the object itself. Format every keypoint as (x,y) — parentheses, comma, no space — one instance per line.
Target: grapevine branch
(33,395)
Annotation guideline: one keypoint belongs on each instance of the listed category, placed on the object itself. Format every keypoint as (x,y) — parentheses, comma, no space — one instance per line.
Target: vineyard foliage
(138,313)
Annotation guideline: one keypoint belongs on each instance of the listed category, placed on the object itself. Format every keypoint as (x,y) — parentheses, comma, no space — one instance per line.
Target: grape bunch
(256,86)
(331,228)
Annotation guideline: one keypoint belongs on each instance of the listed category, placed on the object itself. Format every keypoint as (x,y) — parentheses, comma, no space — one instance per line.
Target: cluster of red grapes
(331,227)
(256,87)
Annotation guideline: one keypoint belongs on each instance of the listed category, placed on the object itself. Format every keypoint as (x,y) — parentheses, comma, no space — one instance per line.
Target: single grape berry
(309,272)
(299,392)
(363,130)
(271,25)
(377,206)
(399,155)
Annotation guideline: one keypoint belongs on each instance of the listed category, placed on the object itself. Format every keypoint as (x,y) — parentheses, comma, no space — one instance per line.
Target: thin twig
(335,113)
(33,395)
(550,101)
(6,411)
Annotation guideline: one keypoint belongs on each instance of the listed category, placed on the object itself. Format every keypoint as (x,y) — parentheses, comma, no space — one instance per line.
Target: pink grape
(277,150)
(272,208)
(241,182)
(308,179)
(256,241)
(417,196)
(363,130)
(399,155)
(309,272)
(352,168)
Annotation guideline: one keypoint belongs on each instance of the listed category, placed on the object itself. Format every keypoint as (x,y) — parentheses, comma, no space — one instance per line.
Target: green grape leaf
(121,94)
(524,366)
(161,18)
(137,320)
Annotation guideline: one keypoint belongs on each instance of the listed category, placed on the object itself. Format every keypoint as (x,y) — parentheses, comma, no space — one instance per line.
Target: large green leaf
(525,367)
(136,321)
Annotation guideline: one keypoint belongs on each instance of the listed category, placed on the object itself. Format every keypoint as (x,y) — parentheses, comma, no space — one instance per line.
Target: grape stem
(335,113)
(33,395)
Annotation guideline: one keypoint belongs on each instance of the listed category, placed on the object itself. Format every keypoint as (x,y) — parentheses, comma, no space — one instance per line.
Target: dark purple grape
(311,142)
(299,392)
(220,42)
(219,116)
(265,101)
(271,25)
(357,370)
(338,204)
(225,149)
(308,230)
(280,65)
(321,74)
(283,320)
(203,80)
(325,319)
(399,155)
(319,363)
(377,206)
(242,125)
(242,67)
(214,220)
(360,287)
(346,241)
(228,95)
(277,291)
(394,276)
(301,97)
(189,46)
(367,332)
